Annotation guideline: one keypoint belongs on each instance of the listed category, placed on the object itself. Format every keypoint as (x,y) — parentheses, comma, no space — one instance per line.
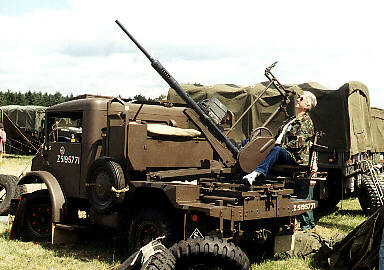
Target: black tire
(368,194)
(7,191)
(201,253)
(33,218)
(102,175)
(150,223)
(161,259)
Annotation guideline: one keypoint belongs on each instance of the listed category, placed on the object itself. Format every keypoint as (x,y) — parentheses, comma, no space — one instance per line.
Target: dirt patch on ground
(16,165)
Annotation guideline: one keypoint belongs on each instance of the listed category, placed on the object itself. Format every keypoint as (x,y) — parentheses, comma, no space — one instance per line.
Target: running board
(65,233)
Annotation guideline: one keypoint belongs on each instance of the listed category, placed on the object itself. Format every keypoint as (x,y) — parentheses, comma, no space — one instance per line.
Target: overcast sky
(74,46)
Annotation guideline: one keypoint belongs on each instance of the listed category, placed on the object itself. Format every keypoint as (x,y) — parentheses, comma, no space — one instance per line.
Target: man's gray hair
(311,98)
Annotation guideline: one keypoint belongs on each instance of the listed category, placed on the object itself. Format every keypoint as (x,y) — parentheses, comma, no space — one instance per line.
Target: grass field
(102,252)
(15,164)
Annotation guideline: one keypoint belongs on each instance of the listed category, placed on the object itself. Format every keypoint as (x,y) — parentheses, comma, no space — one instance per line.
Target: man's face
(302,103)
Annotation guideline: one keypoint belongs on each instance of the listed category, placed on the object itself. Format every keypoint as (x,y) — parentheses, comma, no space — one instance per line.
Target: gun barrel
(134,40)
(184,95)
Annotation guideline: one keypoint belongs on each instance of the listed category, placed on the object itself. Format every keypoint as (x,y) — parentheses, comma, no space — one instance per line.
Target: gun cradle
(255,152)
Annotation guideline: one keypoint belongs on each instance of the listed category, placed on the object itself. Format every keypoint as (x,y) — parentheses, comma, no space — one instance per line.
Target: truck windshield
(64,127)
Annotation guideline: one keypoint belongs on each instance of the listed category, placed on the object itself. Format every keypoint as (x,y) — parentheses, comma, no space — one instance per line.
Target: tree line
(32,98)
(44,99)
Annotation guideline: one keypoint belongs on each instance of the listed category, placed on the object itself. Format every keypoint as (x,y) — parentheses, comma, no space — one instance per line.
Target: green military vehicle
(148,169)
(353,140)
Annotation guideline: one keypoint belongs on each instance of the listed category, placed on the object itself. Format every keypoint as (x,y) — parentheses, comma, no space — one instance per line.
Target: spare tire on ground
(153,256)
(200,253)
(7,191)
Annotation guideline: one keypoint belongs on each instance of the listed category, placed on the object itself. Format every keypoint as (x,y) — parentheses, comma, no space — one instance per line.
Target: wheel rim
(147,232)
(103,184)
(39,220)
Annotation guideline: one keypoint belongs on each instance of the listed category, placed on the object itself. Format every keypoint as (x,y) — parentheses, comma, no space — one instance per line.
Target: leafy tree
(32,98)
(161,97)
(140,97)
(44,99)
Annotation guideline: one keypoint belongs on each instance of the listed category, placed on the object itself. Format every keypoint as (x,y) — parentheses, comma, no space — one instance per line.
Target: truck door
(63,149)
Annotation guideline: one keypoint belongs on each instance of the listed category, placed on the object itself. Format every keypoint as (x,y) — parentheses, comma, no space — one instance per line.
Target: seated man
(293,142)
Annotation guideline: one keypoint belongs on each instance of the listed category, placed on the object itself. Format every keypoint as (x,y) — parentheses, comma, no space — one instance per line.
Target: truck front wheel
(150,223)
(33,218)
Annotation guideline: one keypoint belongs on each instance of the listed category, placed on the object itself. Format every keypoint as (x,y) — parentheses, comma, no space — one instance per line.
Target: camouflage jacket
(298,137)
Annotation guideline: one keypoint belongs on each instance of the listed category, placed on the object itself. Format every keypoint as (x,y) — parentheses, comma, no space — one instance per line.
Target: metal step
(67,233)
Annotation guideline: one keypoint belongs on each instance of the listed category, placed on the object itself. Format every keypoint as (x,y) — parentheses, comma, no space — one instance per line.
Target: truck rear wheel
(7,191)
(199,253)
(150,223)
(33,217)
(104,173)
(368,194)
(334,187)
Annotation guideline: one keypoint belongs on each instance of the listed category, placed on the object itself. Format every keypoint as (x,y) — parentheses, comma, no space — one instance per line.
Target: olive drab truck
(149,169)
(353,143)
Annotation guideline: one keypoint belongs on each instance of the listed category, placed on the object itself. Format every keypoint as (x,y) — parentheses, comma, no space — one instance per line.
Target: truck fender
(55,191)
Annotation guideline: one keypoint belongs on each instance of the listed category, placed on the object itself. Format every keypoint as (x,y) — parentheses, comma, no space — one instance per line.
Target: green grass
(91,254)
(21,159)
(100,252)
(16,164)
(345,219)
(284,263)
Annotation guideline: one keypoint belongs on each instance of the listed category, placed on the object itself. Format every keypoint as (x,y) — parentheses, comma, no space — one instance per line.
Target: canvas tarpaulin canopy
(27,118)
(330,117)
(377,129)
(345,117)
(237,99)
(360,117)
(343,114)
(22,124)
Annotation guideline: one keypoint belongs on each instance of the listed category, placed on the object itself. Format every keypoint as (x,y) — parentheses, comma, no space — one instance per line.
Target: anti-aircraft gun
(146,170)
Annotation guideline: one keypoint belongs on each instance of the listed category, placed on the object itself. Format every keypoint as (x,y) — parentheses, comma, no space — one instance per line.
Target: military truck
(148,169)
(346,118)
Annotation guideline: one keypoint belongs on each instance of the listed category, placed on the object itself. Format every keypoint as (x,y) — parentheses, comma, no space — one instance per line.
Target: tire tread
(209,250)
